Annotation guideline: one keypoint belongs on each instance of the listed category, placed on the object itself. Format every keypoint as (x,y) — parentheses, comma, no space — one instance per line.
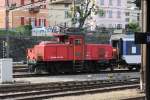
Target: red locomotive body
(99,52)
(69,53)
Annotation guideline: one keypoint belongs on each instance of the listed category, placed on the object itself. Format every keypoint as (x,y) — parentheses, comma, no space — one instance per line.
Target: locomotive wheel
(130,68)
(111,68)
(37,70)
(138,68)
(88,67)
(31,68)
(57,68)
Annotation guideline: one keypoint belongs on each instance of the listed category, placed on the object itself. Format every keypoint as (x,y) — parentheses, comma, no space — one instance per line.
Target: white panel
(133,50)
(6,70)
(132,59)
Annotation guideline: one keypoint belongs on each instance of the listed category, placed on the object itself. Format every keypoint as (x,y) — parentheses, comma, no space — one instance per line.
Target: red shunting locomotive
(70,53)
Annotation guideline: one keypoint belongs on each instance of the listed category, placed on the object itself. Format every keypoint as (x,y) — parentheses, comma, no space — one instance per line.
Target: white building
(132,12)
(113,13)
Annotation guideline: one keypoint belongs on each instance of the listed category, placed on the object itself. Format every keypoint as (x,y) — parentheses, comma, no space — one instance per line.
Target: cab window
(78,42)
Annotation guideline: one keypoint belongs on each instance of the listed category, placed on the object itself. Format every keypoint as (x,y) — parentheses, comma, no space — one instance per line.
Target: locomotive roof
(68,34)
(74,31)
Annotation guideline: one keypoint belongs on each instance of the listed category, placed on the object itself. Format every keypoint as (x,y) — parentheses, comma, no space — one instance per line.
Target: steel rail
(47,90)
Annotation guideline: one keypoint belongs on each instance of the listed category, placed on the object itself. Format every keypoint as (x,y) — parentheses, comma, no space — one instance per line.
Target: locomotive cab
(70,39)
(61,38)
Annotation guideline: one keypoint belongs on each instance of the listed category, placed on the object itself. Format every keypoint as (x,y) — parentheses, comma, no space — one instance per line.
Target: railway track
(57,89)
(20,68)
(23,75)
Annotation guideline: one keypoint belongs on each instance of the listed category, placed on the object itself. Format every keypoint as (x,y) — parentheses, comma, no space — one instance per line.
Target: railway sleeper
(34,94)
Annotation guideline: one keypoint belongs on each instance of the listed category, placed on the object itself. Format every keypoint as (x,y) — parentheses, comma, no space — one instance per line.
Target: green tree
(24,30)
(81,11)
(133,27)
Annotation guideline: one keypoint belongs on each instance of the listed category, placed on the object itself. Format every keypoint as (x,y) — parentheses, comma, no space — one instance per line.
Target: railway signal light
(4,49)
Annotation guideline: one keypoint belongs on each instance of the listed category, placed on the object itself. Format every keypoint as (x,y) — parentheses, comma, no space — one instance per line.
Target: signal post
(144,39)
(147,69)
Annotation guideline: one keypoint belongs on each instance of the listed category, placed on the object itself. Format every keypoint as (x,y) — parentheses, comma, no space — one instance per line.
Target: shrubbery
(24,30)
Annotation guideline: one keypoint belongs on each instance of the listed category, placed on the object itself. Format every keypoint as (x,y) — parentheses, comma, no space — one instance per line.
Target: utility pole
(147,69)
(74,14)
(7,26)
(143,46)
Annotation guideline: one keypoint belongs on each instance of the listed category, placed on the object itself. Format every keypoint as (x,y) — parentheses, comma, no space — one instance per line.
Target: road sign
(142,38)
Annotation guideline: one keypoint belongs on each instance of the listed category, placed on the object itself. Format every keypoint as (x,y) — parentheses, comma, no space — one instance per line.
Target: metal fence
(15,46)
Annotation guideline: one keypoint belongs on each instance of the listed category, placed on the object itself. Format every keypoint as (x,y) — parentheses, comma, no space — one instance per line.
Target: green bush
(4,32)
(21,30)
(24,30)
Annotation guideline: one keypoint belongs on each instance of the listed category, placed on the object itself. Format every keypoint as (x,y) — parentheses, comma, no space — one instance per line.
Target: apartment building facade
(113,14)
(37,16)
(51,13)
(3,14)
(58,12)
(132,12)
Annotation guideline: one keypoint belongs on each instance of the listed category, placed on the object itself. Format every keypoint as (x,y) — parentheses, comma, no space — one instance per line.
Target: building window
(35,22)
(43,7)
(110,13)
(22,2)
(127,14)
(110,2)
(118,2)
(138,18)
(44,22)
(129,2)
(101,2)
(66,14)
(40,22)
(119,26)
(32,1)
(102,13)
(66,5)
(22,20)
(118,14)
(127,19)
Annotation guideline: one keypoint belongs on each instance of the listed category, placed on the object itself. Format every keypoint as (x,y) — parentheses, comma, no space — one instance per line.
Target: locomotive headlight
(114,50)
